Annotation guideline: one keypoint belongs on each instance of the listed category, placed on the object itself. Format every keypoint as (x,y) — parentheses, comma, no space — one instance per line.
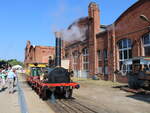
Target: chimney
(94,28)
(58,49)
(94,14)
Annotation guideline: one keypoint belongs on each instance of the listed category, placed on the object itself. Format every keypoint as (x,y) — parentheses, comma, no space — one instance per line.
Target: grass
(96,82)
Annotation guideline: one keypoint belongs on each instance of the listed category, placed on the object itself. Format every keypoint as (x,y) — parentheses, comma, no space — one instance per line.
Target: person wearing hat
(11,75)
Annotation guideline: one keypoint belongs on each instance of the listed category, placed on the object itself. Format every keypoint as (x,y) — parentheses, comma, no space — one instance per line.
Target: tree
(13,62)
(3,63)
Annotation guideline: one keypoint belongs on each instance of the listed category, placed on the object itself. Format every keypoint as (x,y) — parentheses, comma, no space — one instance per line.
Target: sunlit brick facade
(106,47)
(38,54)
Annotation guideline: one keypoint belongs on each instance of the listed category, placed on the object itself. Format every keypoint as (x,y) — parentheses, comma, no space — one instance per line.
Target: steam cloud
(75,33)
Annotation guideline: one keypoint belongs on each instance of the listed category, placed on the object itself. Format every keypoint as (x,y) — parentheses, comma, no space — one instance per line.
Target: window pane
(130,53)
(125,54)
(120,54)
(124,67)
(105,70)
(147,51)
(146,39)
(105,53)
(86,59)
(87,51)
(125,43)
(120,45)
(100,69)
(86,66)
(129,43)
(120,64)
(130,67)
(99,54)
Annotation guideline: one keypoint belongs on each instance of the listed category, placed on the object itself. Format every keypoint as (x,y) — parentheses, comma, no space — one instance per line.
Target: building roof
(132,7)
(103,28)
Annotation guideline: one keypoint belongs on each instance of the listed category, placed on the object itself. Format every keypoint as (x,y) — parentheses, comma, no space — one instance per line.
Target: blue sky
(36,20)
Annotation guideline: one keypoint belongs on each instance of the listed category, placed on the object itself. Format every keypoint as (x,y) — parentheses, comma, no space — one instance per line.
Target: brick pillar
(94,28)
(109,38)
(112,52)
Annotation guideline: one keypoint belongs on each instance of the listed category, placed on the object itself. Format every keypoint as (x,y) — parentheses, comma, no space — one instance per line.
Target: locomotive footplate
(73,84)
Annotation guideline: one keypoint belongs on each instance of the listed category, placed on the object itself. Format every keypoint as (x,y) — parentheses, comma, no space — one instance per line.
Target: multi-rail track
(70,106)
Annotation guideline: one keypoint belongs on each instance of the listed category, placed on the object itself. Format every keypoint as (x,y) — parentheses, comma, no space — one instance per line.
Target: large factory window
(105,54)
(85,59)
(99,56)
(125,51)
(75,60)
(146,42)
(105,69)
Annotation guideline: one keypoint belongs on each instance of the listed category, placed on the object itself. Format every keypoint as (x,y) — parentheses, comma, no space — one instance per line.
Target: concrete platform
(9,102)
(24,101)
(34,103)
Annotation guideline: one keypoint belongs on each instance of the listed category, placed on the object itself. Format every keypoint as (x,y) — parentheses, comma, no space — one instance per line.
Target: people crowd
(8,79)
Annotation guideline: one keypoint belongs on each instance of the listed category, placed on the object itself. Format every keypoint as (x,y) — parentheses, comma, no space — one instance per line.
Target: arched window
(125,50)
(146,43)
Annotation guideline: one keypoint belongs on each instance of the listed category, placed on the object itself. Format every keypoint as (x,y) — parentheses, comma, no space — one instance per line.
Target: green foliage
(11,62)
(2,63)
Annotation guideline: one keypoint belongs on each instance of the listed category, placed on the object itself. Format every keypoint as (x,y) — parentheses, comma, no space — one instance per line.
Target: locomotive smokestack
(58,49)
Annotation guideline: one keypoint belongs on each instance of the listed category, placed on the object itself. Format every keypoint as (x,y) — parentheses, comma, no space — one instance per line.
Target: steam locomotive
(139,75)
(57,80)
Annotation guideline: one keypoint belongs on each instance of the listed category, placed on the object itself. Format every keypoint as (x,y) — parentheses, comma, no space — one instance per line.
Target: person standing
(15,77)
(0,78)
(10,78)
(3,79)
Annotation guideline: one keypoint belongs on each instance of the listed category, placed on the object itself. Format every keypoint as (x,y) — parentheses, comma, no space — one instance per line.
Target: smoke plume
(74,33)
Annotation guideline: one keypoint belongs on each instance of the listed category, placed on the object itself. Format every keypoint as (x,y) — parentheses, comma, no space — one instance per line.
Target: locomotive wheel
(32,86)
(68,94)
(44,94)
(40,93)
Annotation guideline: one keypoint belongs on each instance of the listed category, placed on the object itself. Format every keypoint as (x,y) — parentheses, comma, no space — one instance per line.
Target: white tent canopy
(17,67)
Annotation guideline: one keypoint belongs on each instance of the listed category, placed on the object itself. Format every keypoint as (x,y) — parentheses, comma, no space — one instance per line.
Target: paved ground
(34,103)
(9,102)
(99,95)
(111,100)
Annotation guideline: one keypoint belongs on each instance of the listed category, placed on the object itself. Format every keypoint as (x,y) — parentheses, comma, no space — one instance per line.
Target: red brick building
(106,47)
(38,54)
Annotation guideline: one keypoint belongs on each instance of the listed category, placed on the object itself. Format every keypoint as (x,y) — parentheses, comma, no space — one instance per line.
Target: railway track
(70,106)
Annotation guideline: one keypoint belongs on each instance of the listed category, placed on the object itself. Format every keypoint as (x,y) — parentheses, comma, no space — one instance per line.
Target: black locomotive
(57,82)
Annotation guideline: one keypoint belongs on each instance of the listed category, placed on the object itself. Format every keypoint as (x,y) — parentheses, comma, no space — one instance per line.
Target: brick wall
(38,54)
(124,27)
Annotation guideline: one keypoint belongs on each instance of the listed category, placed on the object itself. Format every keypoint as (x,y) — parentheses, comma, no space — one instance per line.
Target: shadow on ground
(3,89)
(141,97)
(120,86)
(138,96)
